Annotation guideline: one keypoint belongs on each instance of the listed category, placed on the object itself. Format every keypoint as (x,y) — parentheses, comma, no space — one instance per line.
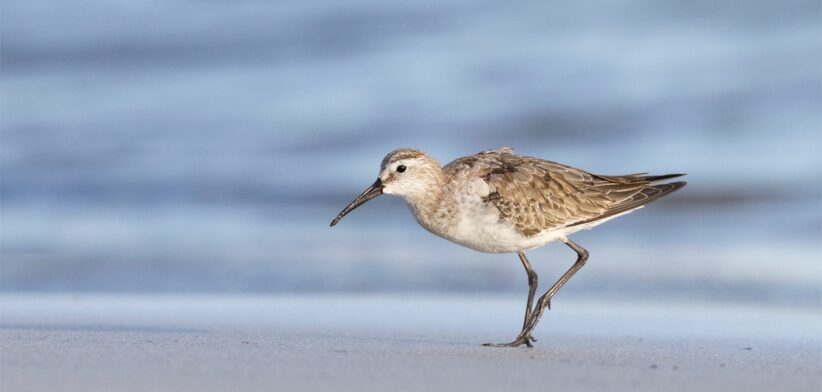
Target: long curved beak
(373,191)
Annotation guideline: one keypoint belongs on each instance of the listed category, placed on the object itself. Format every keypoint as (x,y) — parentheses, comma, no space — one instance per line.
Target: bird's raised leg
(533,281)
(545,300)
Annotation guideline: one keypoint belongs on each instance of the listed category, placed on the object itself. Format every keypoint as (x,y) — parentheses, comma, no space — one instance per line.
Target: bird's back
(536,196)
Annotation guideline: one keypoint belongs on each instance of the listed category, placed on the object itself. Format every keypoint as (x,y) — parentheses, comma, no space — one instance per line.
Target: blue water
(205,146)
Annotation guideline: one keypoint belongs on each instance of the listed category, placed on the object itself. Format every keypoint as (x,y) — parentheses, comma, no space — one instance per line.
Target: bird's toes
(516,343)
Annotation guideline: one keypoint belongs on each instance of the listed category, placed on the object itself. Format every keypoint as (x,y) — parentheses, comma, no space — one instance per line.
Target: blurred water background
(204,146)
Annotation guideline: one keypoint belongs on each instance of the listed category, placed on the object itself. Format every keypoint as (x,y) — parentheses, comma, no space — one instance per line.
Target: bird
(496,201)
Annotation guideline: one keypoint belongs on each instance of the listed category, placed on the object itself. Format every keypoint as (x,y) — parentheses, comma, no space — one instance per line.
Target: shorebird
(499,202)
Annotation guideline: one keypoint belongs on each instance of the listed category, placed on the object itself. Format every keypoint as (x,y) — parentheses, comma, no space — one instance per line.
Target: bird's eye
(401,169)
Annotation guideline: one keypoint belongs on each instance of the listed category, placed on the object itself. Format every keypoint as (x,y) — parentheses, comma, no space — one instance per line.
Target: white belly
(479,227)
(473,223)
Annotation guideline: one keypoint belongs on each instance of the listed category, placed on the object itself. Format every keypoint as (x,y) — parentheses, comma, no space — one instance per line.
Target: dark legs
(532,316)
(545,300)
(533,281)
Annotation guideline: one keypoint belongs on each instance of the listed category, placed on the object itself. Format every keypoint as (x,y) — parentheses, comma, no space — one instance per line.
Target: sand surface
(397,343)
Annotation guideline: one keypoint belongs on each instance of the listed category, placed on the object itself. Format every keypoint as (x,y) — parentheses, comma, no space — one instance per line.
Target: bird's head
(405,172)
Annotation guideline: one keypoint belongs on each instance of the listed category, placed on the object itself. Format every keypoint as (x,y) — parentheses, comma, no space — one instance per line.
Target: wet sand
(251,343)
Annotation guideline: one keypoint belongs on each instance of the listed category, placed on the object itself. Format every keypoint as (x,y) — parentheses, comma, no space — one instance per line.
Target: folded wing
(535,195)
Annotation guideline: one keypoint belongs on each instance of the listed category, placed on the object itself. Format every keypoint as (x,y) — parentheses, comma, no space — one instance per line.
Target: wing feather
(536,195)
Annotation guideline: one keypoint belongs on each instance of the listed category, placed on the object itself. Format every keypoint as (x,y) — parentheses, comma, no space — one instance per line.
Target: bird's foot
(526,340)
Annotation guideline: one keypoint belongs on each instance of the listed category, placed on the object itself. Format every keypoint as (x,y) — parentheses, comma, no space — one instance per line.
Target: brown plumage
(536,195)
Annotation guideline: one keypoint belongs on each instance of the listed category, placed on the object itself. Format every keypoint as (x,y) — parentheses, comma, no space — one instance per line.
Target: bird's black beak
(373,191)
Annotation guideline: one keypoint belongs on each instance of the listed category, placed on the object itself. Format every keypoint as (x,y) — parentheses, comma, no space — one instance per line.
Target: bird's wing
(536,195)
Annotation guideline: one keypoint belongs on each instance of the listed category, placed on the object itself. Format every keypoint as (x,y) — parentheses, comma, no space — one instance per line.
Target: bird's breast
(463,217)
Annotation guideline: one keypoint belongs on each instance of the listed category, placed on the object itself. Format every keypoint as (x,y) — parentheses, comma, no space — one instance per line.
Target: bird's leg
(545,300)
(533,281)
(532,289)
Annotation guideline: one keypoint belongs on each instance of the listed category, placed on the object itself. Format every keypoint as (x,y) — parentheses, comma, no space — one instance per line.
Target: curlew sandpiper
(499,202)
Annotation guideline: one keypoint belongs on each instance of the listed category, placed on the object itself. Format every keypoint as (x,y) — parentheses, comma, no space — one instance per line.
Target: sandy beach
(398,342)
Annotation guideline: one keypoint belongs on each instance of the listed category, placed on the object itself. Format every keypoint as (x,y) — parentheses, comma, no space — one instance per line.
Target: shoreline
(362,342)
